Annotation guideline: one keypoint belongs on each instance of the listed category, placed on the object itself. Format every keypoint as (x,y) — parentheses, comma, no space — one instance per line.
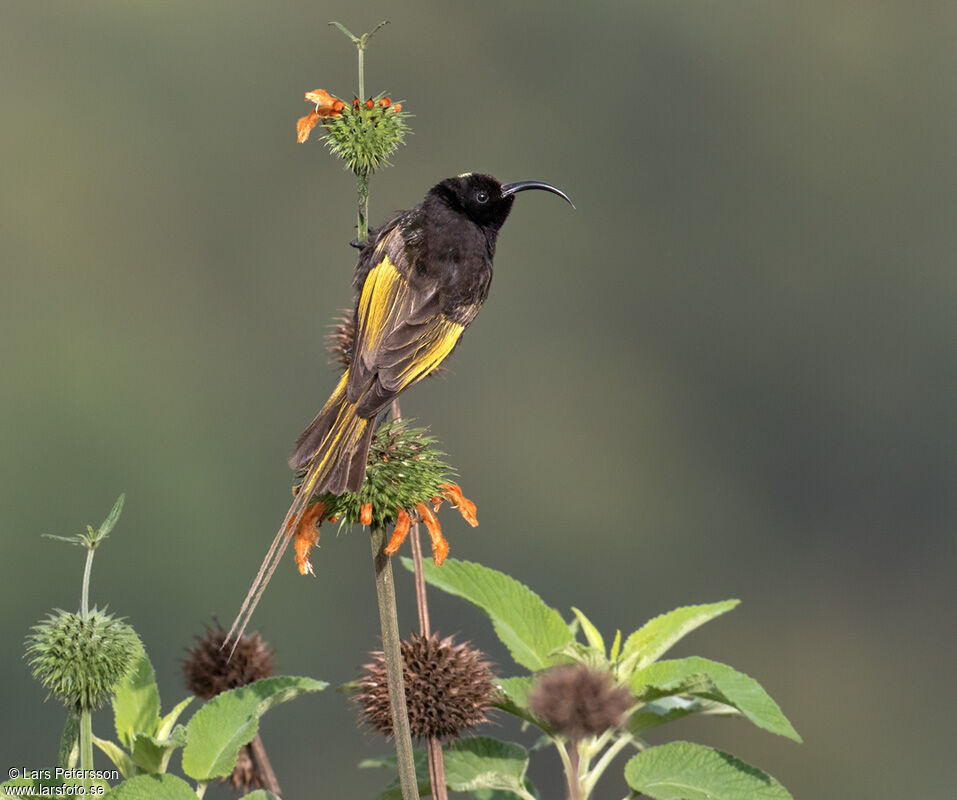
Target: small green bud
(81,661)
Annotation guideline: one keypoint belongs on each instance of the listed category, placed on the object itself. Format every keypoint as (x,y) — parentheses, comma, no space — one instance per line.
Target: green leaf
(393,791)
(152,754)
(136,703)
(582,653)
(668,709)
(529,629)
(700,677)
(153,787)
(485,763)
(686,771)
(69,751)
(655,637)
(114,516)
(231,719)
(592,634)
(117,755)
(513,699)
(167,723)
(260,794)
(615,646)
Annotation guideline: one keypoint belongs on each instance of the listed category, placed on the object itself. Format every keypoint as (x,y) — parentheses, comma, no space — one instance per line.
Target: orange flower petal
(397,107)
(305,125)
(402,524)
(322,98)
(365,514)
(385,101)
(369,103)
(440,546)
(459,501)
(307,536)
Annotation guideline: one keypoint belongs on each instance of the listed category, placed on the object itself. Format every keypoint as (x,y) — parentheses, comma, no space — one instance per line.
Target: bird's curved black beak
(521,186)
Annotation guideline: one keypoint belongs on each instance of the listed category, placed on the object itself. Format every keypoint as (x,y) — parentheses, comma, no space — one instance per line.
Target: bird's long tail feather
(331,468)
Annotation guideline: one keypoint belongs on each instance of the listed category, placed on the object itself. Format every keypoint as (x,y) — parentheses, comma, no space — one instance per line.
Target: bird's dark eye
(481,197)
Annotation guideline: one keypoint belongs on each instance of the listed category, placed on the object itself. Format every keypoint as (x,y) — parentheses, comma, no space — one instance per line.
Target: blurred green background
(730,373)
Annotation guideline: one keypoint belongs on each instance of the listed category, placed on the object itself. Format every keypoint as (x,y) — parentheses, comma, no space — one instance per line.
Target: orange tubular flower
(402,524)
(307,536)
(440,547)
(326,106)
(453,493)
(365,514)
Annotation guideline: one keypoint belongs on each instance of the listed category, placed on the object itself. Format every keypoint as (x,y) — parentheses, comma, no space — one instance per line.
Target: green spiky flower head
(81,660)
(405,468)
(366,133)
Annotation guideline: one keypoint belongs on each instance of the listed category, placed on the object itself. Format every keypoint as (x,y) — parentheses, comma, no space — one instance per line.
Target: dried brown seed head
(448,688)
(577,701)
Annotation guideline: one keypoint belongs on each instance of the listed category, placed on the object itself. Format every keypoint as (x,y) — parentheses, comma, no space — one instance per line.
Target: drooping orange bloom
(402,524)
(440,546)
(453,493)
(307,536)
(326,106)
(365,514)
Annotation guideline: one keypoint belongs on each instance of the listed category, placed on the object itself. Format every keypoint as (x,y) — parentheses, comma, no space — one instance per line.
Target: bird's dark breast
(464,288)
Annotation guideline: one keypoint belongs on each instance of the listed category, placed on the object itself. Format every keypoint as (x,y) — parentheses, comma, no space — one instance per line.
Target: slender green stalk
(385,592)
(570,763)
(591,778)
(86,717)
(86,745)
(201,788)
(85,596)
(362,179)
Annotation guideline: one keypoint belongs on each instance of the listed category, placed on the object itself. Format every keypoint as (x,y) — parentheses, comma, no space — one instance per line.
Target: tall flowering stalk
(364,133)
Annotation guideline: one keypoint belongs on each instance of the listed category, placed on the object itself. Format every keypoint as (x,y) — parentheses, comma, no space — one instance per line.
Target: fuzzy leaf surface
(653,639)
(686,771)
(231,719)
(592,634)
(153,787)
(113,517)
(712,680)
(120,758)
(513,699)
(136,703)
(485,763)
(151,754)
(668,709)
(529,628)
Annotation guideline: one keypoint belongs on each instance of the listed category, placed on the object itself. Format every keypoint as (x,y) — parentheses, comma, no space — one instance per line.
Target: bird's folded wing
(401,333)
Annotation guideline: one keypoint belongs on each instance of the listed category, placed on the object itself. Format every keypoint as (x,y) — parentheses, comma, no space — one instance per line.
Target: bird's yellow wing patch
(434,346)
(384,289)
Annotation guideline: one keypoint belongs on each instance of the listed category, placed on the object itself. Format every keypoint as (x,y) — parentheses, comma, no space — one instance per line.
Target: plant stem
(434,749)
(362,224)
(86,743)
(85,595)
(201,788)
(593,776)
(262,764)
(570,763)
(385,591)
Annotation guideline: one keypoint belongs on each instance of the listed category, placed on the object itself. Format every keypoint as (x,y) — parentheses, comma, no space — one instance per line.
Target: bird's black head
(483,199)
